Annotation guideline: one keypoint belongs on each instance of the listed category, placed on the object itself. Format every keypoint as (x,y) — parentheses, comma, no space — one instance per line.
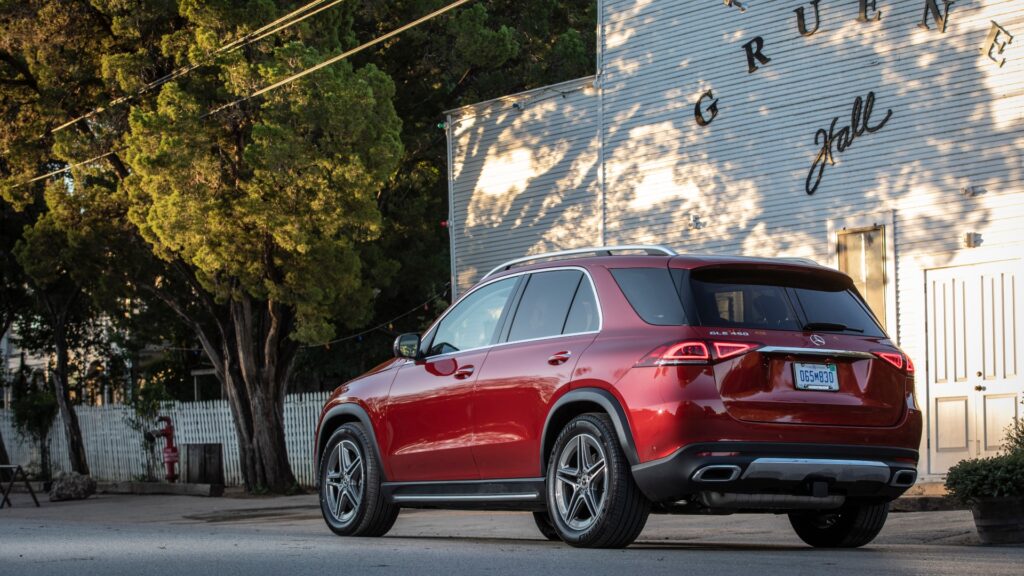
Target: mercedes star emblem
(817,340)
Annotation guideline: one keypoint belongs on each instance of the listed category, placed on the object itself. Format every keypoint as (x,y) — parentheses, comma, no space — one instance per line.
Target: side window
(583,315)
(474,321)
(652,294)
(545,304)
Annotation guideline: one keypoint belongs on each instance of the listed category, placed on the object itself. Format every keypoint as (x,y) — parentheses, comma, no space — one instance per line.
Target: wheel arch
(582,401)
(337,416)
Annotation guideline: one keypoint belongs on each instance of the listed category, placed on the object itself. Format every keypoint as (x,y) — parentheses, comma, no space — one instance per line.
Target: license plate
(821,377)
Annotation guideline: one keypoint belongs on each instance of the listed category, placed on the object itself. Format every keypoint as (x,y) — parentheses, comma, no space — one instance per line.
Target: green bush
(997,477)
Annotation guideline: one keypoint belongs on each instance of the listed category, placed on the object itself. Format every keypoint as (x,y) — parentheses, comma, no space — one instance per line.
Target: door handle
(980,388)
(559,358)
(464,372)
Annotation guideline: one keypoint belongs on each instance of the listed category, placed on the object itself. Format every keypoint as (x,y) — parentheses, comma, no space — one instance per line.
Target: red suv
(601,385)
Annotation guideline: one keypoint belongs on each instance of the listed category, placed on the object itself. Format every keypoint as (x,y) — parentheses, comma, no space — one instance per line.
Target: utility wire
(287,80)
(340,57)
(66,168)
(436,296)
(282,23)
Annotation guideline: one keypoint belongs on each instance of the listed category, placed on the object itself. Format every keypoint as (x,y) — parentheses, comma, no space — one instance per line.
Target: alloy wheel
(581,482)
(345,485)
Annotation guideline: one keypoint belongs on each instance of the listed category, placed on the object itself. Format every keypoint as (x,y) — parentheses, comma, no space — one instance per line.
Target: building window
(861,255)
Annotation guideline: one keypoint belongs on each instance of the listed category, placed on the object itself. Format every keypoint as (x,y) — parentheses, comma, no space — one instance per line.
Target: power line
(289,79)
(436,296)
(264,31)
(341,56)
(66,168)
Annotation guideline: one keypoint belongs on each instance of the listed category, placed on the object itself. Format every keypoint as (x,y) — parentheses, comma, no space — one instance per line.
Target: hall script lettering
(935,16)
(832,141)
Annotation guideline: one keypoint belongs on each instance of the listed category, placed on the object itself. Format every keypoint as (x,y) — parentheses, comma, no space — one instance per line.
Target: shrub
(997,477)
(1015,436)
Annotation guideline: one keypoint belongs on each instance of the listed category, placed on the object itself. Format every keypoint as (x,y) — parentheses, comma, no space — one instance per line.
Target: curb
(144,488)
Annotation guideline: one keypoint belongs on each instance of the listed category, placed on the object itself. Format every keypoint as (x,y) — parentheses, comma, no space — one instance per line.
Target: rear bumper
(705,472)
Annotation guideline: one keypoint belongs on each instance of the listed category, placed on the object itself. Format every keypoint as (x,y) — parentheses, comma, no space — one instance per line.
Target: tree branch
(21,68)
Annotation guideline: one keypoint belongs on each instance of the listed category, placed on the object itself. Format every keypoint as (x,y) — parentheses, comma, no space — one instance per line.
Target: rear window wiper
(831,327)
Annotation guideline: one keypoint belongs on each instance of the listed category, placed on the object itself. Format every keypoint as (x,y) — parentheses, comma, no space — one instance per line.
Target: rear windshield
(780,302)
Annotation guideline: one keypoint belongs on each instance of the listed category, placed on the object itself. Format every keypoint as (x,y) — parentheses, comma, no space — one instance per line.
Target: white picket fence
(115,452)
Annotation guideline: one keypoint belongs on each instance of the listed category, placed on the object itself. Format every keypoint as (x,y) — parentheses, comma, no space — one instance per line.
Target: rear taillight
(695,352)
(725,350)
(898,360)
(686,353)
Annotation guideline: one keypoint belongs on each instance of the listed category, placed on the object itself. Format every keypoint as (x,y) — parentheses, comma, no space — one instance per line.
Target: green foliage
(146,403)
(33,406)
(1015,436)
(997,477)
(274,205)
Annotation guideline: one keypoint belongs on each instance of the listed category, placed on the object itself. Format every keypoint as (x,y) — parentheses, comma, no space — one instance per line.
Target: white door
(974,359)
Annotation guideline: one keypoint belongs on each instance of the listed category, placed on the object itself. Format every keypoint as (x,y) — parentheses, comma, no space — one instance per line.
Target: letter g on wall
(698,110)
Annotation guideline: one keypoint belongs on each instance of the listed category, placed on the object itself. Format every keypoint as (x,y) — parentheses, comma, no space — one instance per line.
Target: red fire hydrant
(170,450)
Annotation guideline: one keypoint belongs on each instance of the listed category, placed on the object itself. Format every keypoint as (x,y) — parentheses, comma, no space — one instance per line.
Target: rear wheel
(592,499)
(852,526)
(351,500)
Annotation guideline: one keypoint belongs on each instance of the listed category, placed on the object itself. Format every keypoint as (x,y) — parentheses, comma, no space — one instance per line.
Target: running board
(508,494)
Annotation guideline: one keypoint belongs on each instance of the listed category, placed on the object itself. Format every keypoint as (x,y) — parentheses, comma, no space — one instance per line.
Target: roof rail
(800,260)
(651,250)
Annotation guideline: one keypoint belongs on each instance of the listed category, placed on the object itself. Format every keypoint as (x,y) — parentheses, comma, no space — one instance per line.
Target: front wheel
(592,499)
(351,500)
(852,526)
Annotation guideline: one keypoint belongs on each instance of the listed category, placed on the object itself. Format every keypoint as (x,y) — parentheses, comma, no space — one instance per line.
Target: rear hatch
(794,345)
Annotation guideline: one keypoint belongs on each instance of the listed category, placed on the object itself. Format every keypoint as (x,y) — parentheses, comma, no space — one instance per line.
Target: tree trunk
(4,458)
(44,458)
(253,358)
(73,433)
(265,356)
(5,325)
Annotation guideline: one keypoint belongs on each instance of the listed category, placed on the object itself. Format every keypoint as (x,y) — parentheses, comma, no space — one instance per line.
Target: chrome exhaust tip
(904,478)
(717,473)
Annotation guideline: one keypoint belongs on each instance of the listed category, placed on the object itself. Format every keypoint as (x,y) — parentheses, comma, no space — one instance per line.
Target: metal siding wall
(524,179)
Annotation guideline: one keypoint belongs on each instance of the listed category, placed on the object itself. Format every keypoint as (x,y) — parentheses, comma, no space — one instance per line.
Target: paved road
(178,535)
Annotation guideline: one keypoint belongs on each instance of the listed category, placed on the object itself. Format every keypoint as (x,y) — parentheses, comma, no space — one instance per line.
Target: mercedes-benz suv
(593,387)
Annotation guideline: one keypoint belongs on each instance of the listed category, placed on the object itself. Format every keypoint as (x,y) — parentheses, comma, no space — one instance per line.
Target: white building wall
(523,177)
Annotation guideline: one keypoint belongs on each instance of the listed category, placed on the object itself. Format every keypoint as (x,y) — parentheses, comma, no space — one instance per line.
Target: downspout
(451,208)
(602,224)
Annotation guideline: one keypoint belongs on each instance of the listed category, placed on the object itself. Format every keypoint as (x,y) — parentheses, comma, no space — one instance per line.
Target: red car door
(429,409)
(555,320)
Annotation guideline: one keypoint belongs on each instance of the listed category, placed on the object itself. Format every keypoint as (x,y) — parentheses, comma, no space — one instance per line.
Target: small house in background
(883,138)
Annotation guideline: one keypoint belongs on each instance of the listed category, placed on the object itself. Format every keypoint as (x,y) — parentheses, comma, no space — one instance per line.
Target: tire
(573,492)
(852,526)
(353,503)
(545,526)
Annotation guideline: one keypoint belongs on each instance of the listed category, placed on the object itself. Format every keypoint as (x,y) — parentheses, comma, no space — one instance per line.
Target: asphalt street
(192,536)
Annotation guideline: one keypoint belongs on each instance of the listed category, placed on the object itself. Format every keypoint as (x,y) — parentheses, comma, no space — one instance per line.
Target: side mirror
(407,346)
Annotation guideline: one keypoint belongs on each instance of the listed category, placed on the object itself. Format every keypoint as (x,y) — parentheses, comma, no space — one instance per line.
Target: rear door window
(545,304)
(652,294)
(583,314)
